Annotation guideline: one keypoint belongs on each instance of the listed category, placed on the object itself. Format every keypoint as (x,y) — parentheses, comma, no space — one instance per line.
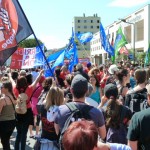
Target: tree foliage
(28,43)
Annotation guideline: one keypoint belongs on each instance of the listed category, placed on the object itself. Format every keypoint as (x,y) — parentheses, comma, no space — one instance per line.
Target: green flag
(120,41)
(147,57)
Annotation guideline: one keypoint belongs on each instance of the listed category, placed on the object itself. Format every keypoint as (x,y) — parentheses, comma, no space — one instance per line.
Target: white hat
(112,69)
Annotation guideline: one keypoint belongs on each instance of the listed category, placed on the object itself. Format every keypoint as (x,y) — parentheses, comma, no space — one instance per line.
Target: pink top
(35,97)
(28,91)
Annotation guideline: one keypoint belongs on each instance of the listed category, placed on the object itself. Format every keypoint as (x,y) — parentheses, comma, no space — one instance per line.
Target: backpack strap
(123,112)
(71,106)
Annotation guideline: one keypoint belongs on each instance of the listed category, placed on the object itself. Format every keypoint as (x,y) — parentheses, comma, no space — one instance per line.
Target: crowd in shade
(93,107)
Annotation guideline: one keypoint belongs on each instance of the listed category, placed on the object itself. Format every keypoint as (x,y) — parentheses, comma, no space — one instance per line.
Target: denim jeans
(6,130)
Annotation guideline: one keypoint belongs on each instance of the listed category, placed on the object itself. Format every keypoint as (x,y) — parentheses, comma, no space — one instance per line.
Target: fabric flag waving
(124,50)
(13,28)
(24,58)
(71,53)
(51,60)
(84,37)
(105,42)
(147,57)
(120,41)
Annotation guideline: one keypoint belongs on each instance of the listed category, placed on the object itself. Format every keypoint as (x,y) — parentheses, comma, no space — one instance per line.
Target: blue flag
(71,53)
(84,37)
(39,58)
(105,42)
(51,60)
(73,59)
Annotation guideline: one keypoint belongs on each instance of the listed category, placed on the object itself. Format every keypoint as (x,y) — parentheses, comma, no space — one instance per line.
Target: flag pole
(35,38)
(85,50)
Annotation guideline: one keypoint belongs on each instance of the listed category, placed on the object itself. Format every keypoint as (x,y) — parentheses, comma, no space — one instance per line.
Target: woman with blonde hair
(54,98)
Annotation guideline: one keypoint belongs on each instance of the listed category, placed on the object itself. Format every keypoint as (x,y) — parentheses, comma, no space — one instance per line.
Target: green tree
(28,43)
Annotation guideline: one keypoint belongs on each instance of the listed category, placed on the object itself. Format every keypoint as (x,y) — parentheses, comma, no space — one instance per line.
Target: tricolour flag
(124,50)
(147,57)
(24,58)
(84,37)
(13,28)
(105,41)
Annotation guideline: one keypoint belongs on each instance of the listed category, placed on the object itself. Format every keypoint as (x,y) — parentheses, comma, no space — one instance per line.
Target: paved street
(29,144)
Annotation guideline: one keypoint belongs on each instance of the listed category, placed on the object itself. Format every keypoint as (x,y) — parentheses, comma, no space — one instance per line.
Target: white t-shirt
(91,102)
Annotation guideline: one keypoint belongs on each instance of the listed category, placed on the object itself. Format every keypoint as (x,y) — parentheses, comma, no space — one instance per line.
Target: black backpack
(76,115)
(135,100)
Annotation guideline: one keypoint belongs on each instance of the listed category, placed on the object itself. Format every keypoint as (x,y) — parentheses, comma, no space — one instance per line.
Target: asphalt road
(29,143)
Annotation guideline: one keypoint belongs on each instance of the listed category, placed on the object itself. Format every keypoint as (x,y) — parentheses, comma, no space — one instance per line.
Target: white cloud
(52,42)
(126,3)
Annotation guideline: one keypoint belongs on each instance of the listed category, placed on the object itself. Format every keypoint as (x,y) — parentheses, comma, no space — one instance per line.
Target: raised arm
(37,79)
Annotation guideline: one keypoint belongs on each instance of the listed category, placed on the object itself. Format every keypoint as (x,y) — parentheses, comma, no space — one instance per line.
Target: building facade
(136,28)
(85,24)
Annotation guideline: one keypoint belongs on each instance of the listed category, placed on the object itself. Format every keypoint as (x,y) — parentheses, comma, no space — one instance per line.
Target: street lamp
(123,20)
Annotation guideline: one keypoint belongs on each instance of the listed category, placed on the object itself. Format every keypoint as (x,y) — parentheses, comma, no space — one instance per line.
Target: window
(91,21)
(97,27)
(97,21)
(78,21)
(91,27)
(85,27)
(78,31)
(84,21)
(78,27)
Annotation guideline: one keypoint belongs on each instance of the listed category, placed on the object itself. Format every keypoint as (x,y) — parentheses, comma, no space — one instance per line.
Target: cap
(79,83)
(89,64)
(111,90)
(112,69)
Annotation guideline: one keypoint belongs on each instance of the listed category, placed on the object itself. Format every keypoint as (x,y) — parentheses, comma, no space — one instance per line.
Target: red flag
(13,28)
(124,50)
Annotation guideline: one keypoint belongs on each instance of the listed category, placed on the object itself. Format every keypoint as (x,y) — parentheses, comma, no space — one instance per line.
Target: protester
(83,135)
(24,120)
(123,77)
(79,87)
(7,114)
(49,108)
(117,116)
(34,100)
(96,93)
(138,133)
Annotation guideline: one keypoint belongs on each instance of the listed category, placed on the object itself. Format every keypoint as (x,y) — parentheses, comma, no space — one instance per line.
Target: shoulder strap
(72,106)
(11,102)
(34,92)
(123,111)
(121,90)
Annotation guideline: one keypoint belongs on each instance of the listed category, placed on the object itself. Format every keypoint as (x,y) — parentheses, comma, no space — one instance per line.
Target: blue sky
(52,20)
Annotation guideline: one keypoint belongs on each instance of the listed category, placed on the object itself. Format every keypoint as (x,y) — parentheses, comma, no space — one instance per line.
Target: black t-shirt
(48,130)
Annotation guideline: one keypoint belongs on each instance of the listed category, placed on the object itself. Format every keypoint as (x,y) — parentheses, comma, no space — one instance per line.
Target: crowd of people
(102,107)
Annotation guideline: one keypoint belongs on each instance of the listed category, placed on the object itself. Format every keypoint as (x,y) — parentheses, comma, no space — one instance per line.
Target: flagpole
(36,38)
(85,50)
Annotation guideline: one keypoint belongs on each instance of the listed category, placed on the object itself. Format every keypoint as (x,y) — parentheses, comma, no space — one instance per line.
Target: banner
(13,28)
(25,58)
